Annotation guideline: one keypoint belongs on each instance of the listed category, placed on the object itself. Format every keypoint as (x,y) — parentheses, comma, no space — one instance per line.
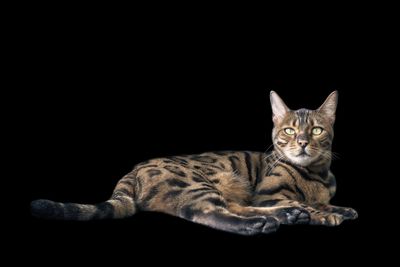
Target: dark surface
(98,102)
(88,141)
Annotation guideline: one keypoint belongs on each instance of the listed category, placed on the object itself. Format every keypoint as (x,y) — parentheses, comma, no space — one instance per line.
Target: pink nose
(302,143)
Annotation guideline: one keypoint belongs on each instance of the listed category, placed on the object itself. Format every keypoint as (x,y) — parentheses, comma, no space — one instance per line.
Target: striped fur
(236,191)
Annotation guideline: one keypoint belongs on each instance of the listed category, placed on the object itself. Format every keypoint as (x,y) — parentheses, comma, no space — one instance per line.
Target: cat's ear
(328,108)
(279,108)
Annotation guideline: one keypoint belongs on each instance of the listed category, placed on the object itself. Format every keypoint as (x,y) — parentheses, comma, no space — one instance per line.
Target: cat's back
(244,164)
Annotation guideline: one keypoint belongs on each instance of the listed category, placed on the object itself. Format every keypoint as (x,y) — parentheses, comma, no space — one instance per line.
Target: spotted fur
(241,192)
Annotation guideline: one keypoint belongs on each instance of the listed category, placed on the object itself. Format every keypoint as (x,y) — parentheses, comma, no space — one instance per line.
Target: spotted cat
(240,192)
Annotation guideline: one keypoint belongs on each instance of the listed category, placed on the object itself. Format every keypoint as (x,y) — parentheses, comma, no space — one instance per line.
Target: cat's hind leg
(212,211)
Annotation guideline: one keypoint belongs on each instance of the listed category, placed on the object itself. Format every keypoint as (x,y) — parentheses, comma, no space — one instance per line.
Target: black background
(99,99)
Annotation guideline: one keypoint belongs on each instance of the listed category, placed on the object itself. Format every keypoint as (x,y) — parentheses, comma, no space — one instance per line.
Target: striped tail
(120,205)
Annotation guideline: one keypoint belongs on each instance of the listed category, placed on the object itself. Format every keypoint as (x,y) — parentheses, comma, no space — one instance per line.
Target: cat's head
(304,136)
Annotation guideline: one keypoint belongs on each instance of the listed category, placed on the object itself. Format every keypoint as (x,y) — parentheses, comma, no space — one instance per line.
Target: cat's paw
(293,215)
(253,225)
(327,219)
(259,224)
(271,225)
(348,213)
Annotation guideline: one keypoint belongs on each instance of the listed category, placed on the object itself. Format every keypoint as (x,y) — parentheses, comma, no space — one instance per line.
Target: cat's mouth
(303,153)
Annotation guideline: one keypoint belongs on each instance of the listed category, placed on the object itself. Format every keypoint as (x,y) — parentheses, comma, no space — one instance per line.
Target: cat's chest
(308,187)
(314,191)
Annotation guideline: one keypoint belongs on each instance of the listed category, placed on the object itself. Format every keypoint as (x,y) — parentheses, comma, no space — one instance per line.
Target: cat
(240,192)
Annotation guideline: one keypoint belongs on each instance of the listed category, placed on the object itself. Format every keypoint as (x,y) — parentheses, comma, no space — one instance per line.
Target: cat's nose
(302,143)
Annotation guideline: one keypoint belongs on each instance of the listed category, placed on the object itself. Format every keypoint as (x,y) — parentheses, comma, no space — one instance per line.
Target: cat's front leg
(347,213)
(325,218)
(287,211)
(294,212)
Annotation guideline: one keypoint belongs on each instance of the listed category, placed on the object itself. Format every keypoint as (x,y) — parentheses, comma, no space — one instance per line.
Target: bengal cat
(241,192)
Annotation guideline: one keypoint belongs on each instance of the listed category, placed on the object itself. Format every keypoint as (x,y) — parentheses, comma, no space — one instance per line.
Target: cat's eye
(317,131)
(290,131)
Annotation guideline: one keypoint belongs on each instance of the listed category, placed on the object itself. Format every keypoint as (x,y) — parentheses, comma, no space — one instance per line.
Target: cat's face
(304,136)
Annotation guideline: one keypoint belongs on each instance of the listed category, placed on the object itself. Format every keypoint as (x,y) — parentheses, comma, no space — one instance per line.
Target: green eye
(289,131)
(317,131)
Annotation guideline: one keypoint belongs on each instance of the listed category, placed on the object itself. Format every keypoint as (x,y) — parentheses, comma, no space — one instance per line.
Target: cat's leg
(195,198)
(288,212)
(293,212)
(347,213)
(212,211)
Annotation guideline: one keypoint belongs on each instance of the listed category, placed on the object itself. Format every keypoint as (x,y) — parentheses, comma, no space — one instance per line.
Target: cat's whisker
(327,155)
(269,148)
(274,164)
(268,156)
(335,155)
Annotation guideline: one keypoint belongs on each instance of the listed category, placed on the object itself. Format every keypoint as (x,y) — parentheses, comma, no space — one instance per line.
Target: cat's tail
(120,205)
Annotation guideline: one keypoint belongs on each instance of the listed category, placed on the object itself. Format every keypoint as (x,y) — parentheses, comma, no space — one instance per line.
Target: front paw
(260,224)
(348,213)
(327,219)
(293,215)
(271,225)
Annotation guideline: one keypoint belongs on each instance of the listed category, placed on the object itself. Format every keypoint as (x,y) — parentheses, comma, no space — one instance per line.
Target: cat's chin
(302,160)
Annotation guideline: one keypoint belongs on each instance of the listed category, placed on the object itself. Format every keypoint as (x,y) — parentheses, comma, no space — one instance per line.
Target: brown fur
(241,192)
